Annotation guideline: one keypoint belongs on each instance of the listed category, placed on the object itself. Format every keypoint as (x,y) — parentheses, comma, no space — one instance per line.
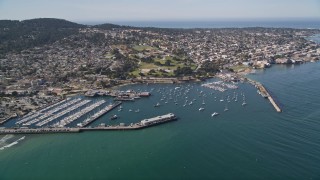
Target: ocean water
(299,23)
(251,142)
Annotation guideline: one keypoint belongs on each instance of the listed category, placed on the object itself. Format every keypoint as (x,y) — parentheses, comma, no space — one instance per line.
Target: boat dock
(70,119)
(140,125)
(99,114)
(264,93)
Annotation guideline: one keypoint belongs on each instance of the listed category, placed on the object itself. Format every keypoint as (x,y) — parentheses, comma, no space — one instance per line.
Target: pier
(264,93)
(140,125)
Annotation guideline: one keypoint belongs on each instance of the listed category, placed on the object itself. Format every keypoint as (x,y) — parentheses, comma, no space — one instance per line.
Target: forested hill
(19,35)
(110,26)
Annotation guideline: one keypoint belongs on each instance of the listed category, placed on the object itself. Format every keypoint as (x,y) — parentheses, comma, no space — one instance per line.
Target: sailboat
(226,108)
(244,101)
(221,100)
(214,114)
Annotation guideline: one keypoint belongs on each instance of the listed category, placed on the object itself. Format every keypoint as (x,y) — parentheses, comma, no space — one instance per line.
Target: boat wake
(5,141)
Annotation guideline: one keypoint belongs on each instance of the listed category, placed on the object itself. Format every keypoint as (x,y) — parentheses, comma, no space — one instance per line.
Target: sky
(158,10)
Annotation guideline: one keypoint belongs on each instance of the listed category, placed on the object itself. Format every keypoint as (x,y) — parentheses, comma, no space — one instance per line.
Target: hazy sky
(137,10)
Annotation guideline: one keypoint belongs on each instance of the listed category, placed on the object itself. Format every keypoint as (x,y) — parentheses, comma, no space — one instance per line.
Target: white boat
(201,109)
(114,117)
(214,114)
(203,103)
(226,108)
(244,101)
(138,110)
(157,105)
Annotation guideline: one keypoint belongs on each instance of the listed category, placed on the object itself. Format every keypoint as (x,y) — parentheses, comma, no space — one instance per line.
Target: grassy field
(144,67)
(238,68)
(143,48)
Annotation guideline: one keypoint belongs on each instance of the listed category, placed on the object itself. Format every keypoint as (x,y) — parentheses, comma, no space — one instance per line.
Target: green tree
(167,63)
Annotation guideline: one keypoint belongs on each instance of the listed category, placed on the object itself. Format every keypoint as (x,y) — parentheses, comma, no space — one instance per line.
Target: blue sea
(299,23)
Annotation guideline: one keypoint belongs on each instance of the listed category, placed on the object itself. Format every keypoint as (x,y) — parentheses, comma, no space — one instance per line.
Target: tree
(14,93)
(183,71)
(152,71)
(209,67)
(167,63)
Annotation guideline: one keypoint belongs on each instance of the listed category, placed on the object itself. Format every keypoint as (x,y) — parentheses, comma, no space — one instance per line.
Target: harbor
(213,99)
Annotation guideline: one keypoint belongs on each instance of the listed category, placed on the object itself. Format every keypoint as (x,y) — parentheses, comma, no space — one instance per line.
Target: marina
(62,113)
(100,113)
(220,86)
(69,119)
(34,118)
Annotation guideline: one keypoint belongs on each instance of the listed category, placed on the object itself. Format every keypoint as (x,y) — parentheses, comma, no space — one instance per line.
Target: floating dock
(140,125)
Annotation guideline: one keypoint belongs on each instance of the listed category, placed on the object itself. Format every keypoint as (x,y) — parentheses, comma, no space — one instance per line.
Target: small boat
(138,110)
(120,108)
(201,109)
(226,108)
(130,110)
(157,105)
(244,103)
(203,103)
(114,117)
(214,114)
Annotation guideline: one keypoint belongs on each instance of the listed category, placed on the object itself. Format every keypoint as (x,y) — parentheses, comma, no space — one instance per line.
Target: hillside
(19,35)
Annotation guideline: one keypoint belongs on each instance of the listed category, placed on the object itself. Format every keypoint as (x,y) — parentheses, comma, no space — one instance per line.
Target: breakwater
(264,93)
(140,125)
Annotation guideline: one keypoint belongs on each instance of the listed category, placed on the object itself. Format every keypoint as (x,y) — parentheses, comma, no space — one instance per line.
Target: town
(100,57)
